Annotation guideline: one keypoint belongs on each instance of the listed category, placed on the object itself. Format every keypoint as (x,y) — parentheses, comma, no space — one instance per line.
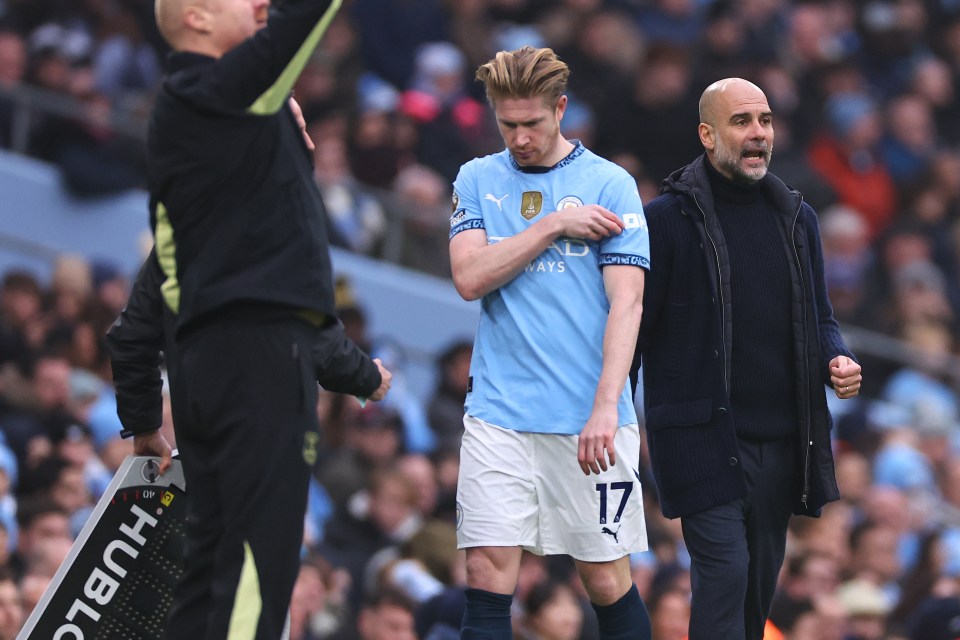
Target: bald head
(736,129)
(171,19)
(722,93)
(210,27)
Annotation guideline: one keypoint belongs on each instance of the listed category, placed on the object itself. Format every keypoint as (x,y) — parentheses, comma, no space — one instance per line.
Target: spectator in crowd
(377,149)
(21,306)
(645,120)
(422,473)
(606,52)
(669,613)
(445,410)
(11,610)
(357,220)
(846,257)
(38,519)
(451,125)
(847,155)
(383,515)
(373,440)
(551,611)
(388,615)
(423,205)
(910,143)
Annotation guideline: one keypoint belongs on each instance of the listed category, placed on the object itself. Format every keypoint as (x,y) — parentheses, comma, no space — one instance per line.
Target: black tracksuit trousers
(245,408)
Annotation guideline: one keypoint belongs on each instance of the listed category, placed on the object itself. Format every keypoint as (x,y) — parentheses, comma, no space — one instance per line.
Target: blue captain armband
(624,258)
(475,223)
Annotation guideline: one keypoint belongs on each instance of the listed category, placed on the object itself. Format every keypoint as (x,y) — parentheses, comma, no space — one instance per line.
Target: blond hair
(525,73)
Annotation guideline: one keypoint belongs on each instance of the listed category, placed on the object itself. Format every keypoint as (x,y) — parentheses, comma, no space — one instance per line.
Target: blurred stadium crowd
(866,97)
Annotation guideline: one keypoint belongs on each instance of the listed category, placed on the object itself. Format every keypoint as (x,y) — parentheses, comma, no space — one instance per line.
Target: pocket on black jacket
(685,444)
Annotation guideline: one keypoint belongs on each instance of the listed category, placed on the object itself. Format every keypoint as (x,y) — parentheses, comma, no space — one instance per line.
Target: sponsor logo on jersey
(499,201)
(569,202)
(458,217)
(531,202)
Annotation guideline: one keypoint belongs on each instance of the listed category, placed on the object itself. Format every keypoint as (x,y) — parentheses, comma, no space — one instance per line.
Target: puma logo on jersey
(499,200)
(611,533)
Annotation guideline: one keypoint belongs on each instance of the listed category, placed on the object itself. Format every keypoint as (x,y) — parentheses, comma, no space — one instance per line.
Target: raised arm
(480,267)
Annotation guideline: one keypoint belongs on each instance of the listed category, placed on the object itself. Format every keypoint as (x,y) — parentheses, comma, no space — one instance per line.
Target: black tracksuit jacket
(237,216)
(234,207)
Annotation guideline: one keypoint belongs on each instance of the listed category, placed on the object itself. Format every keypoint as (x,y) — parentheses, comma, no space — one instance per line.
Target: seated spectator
(551,611)
(423,199)
(11,609)
(21,307)
(669,614)
(379,517)
(371,443)
(445,410)
(846,156)
(38,519)
(318,609)
(825,620)
(420,470)
(376,152)
(125,65)
(910,143)
(452,127)
(846,256)
(388,615)
(866,606)
(356,217)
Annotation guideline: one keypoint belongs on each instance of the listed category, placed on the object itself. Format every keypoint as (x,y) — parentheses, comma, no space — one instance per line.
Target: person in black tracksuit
(737,343)
(242,248)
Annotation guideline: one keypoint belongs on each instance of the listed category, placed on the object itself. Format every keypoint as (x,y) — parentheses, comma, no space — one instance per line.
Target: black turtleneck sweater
(762,393)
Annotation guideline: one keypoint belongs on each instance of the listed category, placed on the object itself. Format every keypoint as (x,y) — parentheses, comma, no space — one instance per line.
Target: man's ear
(197,18)
(707,136)
(561,107)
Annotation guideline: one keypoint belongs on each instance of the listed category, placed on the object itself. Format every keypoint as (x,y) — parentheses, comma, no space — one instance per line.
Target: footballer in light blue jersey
(538,355)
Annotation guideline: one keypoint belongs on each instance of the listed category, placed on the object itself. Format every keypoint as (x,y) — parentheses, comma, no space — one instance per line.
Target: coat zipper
(808,443)
(716,254)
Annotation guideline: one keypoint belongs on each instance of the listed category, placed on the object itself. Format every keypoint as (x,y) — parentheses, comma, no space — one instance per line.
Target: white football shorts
(527,490)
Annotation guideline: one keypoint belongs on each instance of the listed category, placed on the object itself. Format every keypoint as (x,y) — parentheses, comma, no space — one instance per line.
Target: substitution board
(117,581)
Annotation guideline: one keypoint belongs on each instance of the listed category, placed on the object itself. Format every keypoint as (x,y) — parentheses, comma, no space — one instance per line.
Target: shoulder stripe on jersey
(167,257)
(271,100)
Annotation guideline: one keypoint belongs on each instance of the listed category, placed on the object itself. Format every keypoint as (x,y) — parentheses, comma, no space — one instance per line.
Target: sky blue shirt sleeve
(632,245)
(466,213)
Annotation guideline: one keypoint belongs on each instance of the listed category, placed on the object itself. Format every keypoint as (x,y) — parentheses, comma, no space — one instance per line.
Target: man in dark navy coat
(737,343)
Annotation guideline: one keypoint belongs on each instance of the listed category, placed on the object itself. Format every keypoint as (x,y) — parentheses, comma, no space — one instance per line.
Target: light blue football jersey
(539,346)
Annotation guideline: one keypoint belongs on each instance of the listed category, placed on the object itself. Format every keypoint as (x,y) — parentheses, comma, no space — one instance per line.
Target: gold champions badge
(530,204)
